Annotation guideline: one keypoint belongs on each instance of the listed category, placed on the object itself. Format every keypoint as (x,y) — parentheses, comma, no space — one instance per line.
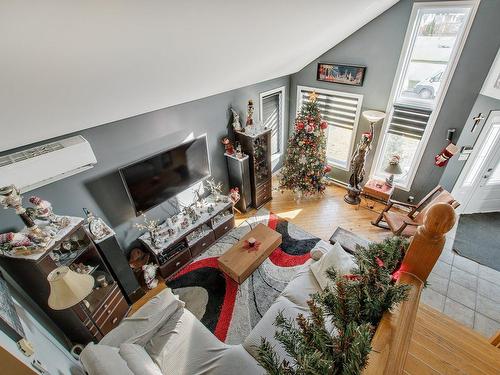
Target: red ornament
(328,168)
(379,262)
(310,128)
(351,277)
(299,126)
(324,125)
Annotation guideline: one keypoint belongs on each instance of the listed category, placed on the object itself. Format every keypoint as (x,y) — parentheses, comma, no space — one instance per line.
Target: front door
(481,184)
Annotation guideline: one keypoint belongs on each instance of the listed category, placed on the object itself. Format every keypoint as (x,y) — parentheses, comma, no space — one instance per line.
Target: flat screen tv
(151,181)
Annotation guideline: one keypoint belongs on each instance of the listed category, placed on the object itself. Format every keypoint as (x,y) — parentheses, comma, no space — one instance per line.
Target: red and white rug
(230,310)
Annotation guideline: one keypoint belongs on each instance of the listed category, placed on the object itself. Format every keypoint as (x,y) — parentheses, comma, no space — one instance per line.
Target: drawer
(115,316)
(107,303)
(111,305)
(260,188)
(224,227)
(263,196)
(175,263)
(202,244)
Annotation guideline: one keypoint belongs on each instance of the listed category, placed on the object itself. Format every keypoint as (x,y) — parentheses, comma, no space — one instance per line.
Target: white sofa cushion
(184,346)
(103,360)
(300,288)
(138,360)
(336,257)
(140,327)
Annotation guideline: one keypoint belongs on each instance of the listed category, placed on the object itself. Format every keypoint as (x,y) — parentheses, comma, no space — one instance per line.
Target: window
(435,37)
(341,111)
(272,116)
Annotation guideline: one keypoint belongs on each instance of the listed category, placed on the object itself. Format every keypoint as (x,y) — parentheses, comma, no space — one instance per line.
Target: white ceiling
(71,65)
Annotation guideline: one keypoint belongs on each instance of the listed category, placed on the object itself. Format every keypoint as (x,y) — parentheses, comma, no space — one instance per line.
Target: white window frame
(281,127)
(399,77)
(356,119)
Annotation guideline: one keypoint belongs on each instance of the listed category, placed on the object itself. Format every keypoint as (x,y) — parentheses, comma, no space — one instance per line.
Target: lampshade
(67,288)
(393,169)
(373,116)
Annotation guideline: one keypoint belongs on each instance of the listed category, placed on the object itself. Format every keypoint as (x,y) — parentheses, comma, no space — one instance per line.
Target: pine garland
(305,163)
(353,306)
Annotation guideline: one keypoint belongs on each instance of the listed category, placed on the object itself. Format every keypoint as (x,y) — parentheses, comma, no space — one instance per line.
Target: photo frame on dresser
(9,320)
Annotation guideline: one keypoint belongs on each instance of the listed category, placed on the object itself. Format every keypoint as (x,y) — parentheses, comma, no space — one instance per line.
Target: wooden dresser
(106,305)
(258,148)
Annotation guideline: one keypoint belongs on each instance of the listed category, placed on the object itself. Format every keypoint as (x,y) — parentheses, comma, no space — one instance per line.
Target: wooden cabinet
(103,308)
(258,148)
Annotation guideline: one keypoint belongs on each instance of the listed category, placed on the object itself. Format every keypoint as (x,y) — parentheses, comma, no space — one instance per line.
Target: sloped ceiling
(70,65)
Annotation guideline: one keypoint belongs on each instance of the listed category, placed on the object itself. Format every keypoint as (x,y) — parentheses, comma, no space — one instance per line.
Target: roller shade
(271,118)
(408,122)
(336,109)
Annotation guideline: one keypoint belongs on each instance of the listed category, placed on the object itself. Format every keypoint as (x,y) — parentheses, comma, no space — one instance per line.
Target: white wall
(72,65)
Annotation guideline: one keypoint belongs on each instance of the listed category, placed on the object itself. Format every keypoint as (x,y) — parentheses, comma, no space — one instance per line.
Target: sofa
(163,337)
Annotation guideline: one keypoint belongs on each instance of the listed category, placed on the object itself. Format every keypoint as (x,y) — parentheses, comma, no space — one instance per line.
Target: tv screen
(151,181)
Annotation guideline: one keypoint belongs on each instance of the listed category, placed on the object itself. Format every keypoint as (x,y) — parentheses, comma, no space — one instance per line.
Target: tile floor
(465,290)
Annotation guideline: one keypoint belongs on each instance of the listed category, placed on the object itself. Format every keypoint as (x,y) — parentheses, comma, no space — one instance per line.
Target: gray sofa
(168,339)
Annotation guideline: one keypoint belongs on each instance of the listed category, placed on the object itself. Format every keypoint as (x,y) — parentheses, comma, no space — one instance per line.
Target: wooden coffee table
(239,263)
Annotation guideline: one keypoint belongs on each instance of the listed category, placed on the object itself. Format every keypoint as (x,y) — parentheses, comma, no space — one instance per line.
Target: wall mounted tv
(151,181)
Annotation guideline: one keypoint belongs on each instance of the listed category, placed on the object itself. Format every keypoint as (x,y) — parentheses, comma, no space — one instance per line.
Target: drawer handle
(109,312)
(177,264)
(114,320)
(225,227)
(203,244)
(106,306)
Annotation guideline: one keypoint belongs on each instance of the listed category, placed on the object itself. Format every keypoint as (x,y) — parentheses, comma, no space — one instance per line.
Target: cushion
(300,288)
(103,360)
(336,258)
(138,360)
(140,327)
(320,249)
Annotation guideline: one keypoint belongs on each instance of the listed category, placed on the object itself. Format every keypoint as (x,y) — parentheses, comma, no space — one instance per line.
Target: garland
(336,338)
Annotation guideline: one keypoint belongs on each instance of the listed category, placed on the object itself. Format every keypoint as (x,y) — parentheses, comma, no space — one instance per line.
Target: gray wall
(122,142)
(378,46)
(483,105)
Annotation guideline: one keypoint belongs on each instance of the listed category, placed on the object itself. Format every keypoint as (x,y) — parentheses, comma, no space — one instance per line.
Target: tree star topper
(313,96)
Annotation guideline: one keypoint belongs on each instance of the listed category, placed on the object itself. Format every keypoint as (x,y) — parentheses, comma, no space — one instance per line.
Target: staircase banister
(391,341)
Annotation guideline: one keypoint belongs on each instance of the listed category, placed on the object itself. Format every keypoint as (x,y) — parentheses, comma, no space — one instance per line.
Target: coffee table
(239,262)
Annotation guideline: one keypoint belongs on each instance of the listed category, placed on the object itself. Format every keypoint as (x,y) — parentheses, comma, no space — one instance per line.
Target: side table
(378,190)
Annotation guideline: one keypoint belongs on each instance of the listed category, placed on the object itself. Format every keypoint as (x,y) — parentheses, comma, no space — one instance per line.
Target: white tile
(432,298)
(442,269)
(488,307)
(466,264)
(487,289)
(486,326)
(447,257)
(463,278)
(489,274)
(459,312)
(462,295)
(438,283)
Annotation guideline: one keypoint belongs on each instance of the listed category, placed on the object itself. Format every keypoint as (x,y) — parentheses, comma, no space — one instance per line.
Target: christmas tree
(305,163)
(354,305)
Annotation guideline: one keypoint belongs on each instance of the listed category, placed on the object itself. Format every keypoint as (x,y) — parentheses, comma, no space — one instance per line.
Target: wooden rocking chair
(402,224)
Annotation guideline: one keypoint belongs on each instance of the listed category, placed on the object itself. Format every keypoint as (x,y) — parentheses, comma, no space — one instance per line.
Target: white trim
(282,91)
(359,98)
(447,77)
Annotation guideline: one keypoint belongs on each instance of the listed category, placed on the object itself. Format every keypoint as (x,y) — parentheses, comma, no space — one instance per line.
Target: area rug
(227,309)
(477,238)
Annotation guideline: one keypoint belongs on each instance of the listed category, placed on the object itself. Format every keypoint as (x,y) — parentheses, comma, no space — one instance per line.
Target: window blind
(336,109)
(409,122)
(271,119)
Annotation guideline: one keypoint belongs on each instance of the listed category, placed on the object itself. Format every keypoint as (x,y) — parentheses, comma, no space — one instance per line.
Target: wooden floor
(439,345)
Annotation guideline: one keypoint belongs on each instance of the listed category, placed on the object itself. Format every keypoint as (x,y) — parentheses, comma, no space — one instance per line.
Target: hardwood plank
(415,366)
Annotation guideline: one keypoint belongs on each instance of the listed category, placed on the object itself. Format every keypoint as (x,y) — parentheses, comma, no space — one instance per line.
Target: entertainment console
(175,250)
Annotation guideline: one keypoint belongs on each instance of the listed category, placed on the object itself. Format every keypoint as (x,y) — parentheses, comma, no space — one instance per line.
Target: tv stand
(175,251)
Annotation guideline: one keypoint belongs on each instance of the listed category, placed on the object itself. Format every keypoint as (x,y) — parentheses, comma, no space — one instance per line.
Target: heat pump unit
(38,166)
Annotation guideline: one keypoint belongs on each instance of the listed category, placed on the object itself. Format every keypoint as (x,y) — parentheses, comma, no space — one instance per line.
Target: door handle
(489,169)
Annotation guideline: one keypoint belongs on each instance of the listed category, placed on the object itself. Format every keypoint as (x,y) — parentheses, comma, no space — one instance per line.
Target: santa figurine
(228,146)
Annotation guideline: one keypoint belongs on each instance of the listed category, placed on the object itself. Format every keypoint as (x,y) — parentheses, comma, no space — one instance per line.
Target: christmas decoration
(354,306)
(305,164)
(250,110)
(153,227)
(236,121)
(446,153)
(228,146)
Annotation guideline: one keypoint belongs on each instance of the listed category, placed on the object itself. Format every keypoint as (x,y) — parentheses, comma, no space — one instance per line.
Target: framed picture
(9,320)
(339,73)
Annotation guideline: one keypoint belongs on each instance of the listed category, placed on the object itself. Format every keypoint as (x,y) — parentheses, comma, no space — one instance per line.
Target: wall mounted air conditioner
(38,166)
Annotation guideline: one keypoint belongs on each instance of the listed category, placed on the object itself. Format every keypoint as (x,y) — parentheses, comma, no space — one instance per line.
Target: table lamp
(68,288)
(392,168)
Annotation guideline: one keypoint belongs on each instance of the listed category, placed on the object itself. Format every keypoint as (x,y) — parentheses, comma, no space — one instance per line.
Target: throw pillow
(336,258)
(138,360)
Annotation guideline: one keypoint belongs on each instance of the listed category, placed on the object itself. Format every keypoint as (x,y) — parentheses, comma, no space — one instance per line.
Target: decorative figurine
(153,228)
(184,223)
(215,188)
(239,152)
(171,232)
(210,208)
(190,212)
(97,228)
(199,200)
(250,110)
(228,146)
(43,211)
(19,244)
(150,275)
(236,121)
(234,195)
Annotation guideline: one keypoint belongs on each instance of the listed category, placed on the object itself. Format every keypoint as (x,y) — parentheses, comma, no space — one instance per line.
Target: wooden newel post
(428,242)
